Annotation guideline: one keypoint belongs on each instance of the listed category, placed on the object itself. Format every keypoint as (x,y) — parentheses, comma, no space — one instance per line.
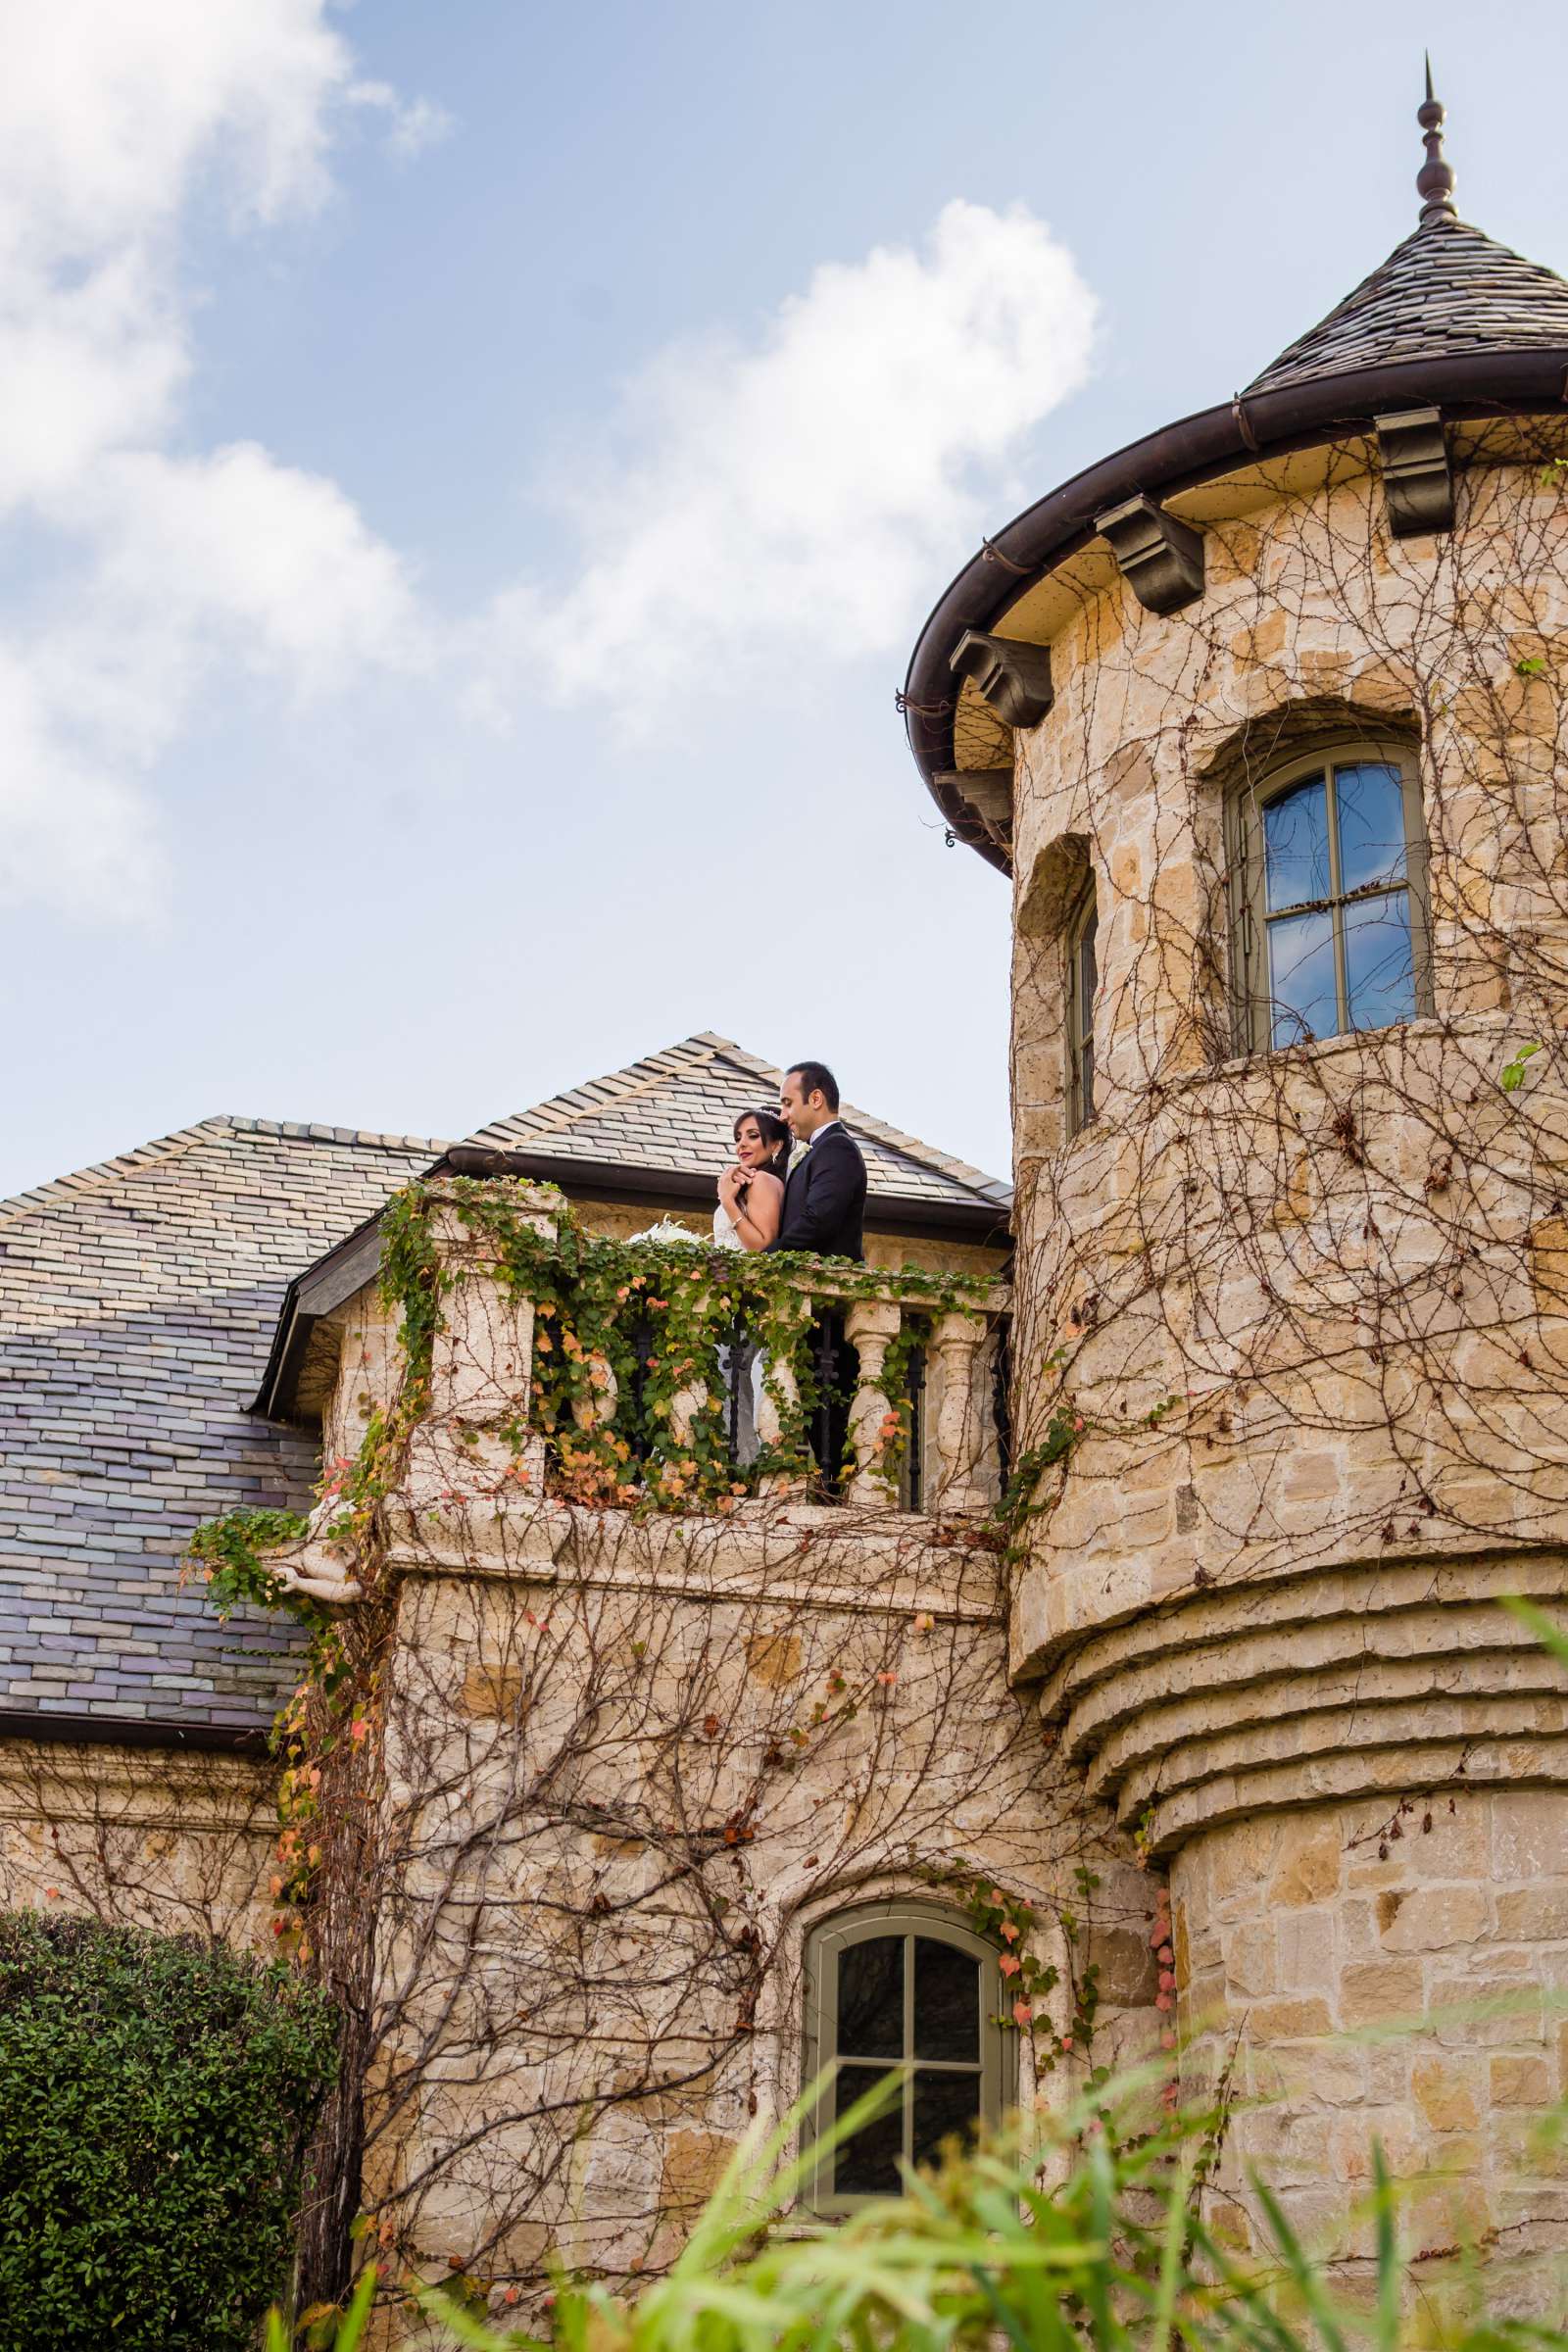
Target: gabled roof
(656,1133)
(138,1300)
(1446,292)
(674,1110)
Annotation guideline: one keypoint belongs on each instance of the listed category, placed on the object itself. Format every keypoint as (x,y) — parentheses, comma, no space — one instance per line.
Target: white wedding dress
(742,1370)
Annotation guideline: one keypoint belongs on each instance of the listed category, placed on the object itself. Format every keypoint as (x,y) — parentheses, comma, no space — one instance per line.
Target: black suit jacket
(825,1198)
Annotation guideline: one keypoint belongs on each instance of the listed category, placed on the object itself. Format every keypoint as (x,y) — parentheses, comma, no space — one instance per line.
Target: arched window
(906,1988)
(1082,980)
(1328,860)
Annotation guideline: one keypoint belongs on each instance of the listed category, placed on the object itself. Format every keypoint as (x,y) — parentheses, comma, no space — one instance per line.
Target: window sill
(1322,1049)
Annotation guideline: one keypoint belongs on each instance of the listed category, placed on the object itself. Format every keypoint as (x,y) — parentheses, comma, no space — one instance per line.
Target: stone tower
(1264,717)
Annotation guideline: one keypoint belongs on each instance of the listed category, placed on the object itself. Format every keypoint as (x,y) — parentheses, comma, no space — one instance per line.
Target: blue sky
(472,476)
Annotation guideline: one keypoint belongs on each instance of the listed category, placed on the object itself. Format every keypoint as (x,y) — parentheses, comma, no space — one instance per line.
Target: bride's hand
(729,1184)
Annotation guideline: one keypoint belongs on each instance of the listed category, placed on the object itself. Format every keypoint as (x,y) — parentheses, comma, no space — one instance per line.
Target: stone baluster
(771,1412)
(990,1395)
(871,1325)
(960,1359)
(684,1407)
(689,1399)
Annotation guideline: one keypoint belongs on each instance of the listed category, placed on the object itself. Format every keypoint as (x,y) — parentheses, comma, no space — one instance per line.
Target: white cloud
(276,562)
(114,120)
(803,487)
(800,487)
(74,834)
(414,125)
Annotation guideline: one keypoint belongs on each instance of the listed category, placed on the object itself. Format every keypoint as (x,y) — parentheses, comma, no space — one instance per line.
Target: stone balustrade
(900,1374)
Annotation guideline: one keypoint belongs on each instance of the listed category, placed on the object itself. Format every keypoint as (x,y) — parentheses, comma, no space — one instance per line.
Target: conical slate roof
(1450,320)
(1447,291)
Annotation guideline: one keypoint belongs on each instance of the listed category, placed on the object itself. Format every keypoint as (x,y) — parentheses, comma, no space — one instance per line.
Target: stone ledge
(1364,1687)
(1301,1739)
(1375,1773)
(886,1563)
(1418,1612)
(1274,1686)
(1052,1618)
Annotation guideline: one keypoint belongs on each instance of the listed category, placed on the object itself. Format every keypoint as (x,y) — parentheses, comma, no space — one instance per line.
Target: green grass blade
(1389,2273)
(1546,1629)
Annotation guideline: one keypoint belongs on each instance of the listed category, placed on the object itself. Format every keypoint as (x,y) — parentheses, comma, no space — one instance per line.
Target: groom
(824,1194)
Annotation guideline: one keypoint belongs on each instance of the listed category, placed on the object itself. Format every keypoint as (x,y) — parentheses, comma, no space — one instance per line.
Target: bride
(750,1191)
(751,1203)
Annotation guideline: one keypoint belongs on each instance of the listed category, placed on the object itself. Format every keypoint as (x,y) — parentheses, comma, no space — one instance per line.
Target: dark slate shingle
(1447,288)
(137,1303)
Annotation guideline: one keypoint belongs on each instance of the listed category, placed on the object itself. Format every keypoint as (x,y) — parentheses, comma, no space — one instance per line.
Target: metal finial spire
(1434,183)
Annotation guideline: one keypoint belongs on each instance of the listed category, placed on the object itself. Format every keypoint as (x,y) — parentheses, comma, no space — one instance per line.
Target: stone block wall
(622,1781)
(1397,1974)
(181,1843)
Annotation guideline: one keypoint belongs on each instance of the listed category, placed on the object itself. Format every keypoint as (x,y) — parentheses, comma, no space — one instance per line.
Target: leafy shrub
(155,2098)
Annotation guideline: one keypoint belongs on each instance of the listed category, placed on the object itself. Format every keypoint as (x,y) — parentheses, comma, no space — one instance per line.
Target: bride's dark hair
(773,1132)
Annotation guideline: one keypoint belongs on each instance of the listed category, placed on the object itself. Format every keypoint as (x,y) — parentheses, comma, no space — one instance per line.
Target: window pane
(1379,968)
(1295,843)
(1087,974)
(1300,978)
(871,1998)
(1371,812)
(943,2104)
(1086,1081)
(947,2001)
(867,2166)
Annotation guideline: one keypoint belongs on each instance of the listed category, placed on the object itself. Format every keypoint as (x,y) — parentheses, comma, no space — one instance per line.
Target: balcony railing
(687,1377)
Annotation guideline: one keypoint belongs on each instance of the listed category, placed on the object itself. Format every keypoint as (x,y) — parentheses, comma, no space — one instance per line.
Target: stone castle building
(641,1792)
(1264,717)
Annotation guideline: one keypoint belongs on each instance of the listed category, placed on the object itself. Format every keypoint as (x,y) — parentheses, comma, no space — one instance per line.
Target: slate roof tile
(1446,288)
(137,1302)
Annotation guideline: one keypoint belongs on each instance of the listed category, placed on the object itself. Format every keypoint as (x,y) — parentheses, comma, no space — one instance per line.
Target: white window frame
(824,1945)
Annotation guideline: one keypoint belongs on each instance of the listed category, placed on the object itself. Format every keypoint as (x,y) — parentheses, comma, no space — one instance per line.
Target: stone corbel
(1161,559)
(987,793)
(1011,678)
(1418,479)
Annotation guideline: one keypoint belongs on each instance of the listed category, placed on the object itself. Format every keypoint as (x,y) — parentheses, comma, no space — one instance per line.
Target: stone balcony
(880,1401)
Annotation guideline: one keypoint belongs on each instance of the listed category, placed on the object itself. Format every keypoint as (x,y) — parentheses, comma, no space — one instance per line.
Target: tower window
(1328,865)
(1082,980)
(900,1989)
